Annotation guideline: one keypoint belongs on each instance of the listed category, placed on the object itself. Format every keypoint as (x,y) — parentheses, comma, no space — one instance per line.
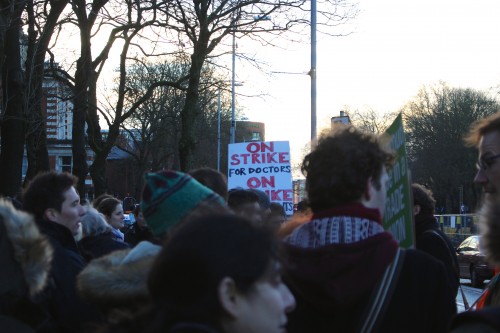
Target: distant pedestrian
(264,202)
(430,238)
(245,203)
(112,210)
(339,262)
(277,216)
(139,231)
(97,201)
(211,178)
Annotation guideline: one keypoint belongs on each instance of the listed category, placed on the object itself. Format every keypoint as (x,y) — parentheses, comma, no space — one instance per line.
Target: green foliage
(436,121)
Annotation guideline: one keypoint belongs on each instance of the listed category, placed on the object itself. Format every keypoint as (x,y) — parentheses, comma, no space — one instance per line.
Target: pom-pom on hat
(169,196)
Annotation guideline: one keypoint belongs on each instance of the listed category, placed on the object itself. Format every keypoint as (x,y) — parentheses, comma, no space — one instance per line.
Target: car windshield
(474,243)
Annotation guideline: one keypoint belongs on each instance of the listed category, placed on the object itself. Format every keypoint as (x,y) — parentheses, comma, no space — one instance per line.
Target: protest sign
(264,166)
(398,215)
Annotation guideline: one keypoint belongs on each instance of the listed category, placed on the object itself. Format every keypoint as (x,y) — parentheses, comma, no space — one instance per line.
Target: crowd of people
(204,258)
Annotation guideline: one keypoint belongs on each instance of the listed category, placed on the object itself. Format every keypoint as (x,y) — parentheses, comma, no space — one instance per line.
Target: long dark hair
(197,256)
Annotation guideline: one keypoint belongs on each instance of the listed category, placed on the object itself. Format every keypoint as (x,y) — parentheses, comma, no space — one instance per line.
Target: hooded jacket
(117,283)
(335,260)
(25,258)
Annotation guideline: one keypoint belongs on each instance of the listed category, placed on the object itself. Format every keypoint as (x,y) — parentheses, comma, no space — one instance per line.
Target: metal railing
(458,226)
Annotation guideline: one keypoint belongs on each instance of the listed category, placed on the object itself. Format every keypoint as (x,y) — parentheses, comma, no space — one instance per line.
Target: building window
(66,163)
(255,136)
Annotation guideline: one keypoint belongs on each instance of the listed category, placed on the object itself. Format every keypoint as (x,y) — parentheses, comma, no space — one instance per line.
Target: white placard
(264,166)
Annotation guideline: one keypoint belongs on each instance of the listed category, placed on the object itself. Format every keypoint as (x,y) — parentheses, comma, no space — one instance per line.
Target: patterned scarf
(338,229)
(118,235)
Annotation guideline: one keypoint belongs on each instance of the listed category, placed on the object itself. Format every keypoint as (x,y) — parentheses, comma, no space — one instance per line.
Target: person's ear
(51,214)
(228,296)
(416,209)
(367,193)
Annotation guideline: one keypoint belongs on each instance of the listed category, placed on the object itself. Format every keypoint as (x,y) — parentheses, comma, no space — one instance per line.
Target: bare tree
(153,28)
(436,120)
(12,125)
(127,20)
(42,23)
(202,25)
(155,126)
(372,121)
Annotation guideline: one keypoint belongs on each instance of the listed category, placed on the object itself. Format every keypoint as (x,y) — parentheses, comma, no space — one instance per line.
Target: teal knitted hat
(169,196)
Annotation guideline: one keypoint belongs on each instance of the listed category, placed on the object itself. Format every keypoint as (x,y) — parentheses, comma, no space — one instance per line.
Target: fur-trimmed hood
(118,279)
(25,253)
(489,224)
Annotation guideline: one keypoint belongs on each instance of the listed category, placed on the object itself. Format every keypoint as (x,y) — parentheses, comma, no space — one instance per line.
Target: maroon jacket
(333,263)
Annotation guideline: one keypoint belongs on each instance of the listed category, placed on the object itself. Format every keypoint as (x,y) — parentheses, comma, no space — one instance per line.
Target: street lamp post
(312,73)
(233,79)
(218,131)
(233,120)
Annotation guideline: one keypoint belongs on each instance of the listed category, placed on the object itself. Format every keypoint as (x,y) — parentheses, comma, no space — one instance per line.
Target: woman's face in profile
(265,307)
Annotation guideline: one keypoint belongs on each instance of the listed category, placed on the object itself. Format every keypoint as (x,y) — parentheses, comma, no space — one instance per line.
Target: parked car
(472,262)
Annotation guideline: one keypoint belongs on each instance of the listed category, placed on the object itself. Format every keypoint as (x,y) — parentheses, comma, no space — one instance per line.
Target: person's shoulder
(435,234)
(420,264)
(12,325)
(484,320)
(419,257)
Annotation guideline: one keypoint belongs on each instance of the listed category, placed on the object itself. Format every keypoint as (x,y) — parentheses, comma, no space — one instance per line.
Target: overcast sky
(396,48)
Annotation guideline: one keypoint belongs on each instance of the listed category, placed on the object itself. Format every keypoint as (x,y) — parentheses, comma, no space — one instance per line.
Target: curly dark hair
(46,190)
(339,166)
(423,197)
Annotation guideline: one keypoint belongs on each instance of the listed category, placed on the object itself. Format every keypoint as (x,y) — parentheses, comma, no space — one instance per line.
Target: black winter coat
(23,317)
(69,313)
(484,320)
(100,245)
(421,302)
(430,239)
(135,234)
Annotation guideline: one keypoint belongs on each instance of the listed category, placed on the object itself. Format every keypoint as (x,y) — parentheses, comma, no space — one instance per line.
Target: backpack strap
(381,295)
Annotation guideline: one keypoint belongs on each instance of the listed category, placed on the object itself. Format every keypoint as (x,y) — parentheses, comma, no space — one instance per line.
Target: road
(471,294)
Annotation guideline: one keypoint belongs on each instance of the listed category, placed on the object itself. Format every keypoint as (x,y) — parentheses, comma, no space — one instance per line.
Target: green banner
(398,215)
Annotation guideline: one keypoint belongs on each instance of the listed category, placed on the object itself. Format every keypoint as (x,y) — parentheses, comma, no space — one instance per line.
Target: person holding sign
(347,273)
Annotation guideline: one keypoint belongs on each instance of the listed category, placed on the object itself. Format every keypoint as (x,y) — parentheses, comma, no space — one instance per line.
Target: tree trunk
(98,174)
(36,133)
(80,167)
(190,112)
(12,128)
